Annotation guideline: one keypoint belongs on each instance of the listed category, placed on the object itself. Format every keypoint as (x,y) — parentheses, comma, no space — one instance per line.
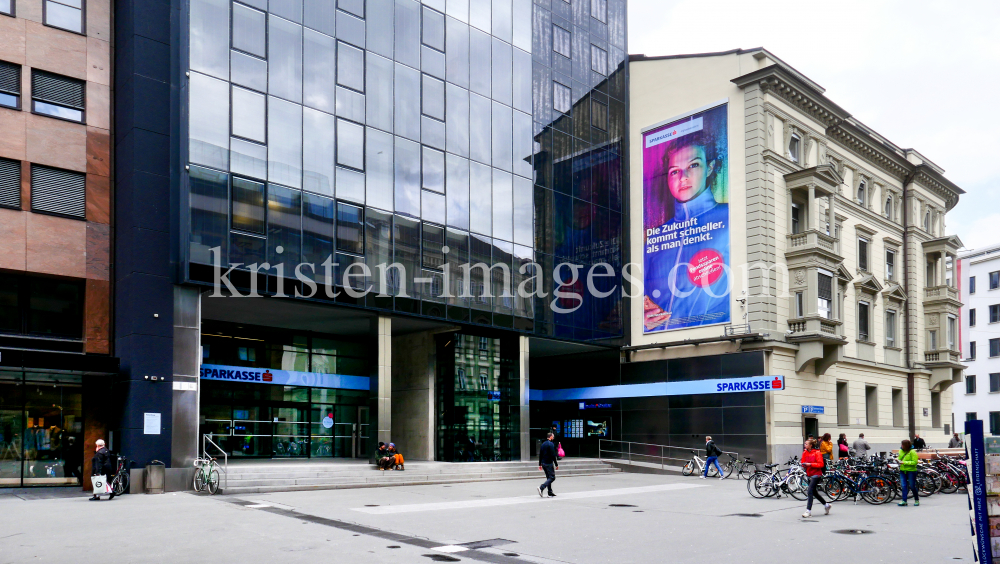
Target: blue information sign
(977,489)
(817,409)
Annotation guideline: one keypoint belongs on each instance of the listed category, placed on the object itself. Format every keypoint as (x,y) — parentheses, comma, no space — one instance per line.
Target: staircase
(286,476)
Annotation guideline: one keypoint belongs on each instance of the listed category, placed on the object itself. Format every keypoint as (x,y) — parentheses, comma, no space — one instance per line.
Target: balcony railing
(812,238)
(940,292)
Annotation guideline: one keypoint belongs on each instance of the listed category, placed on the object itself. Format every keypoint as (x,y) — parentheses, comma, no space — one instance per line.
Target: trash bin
(155,476)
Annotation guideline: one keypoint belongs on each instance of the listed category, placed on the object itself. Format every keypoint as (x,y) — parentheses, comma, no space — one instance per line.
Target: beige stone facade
(794,153)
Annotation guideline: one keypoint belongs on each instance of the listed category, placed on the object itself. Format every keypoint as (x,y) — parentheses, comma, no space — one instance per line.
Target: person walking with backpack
(812,460)
(548,462)
(908,459)
(712,454)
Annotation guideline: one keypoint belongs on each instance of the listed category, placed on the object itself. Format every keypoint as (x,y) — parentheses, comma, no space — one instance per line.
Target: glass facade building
(432,135)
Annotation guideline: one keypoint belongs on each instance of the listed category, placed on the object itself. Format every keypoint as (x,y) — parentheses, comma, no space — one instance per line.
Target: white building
(979,396)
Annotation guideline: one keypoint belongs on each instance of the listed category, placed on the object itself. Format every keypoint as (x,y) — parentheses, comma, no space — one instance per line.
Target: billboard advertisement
(685,186)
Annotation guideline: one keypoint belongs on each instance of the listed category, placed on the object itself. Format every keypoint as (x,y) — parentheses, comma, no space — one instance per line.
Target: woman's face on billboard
(687,173)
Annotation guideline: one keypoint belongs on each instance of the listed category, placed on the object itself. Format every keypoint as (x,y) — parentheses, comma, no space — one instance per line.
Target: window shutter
(10,183)
(10,78)
(825,286)
(57,89)
(58,191)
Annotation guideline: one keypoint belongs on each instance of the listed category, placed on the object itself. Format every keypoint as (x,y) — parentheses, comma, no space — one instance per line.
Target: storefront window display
(41,429)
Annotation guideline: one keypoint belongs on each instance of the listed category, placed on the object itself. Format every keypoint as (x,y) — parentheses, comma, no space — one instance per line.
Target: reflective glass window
(523,211)
(284,150)
(457,180)
(432,132)
(350,144)
(458,9)
(65,14)
(248,205)
(407,102)
(480,59)
(209,214)
(350,104)
(351,30)
(599,10)
(432,61)
(249,71)
(319,71)
(457,119)
(55,307)
(317,232)
(378,244)
(433,170)
(285,57)
(284,227)
(378,107)
(288,9)
(523,144)
(246,249)
(502,137)
(350,66)
(598,60)
(561,41)
(502,20)
(350,229)
(407,33)
(379,30)
(209,47)
(562,98)
(247,158)
(378,169)
(432,207)
(350,185)
(321,15)
(249,115)
(458,52)
(480,14)
(433,28)
(599,115)
(249,30)
(522,24)
(208,107)
(317,151)
(260,4)
(521,81)
(407,177)
(502,80)
(481,198)
(432,246)
(503,205)
(406,239)
(356,7)
(432,99)
(458,254)
(480,116)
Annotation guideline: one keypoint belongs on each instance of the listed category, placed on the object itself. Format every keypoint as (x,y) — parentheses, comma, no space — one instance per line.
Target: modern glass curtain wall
(430,124)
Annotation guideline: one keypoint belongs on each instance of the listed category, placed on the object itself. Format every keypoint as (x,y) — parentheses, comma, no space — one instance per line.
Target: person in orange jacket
(397,456)
(812,461)
(826,448)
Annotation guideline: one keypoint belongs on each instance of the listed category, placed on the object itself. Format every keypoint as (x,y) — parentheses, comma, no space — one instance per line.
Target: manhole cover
(511,554)
(853,532)
(371,506)
(394,546)
(620,505)
(744,515)
(442,558)
(637,511)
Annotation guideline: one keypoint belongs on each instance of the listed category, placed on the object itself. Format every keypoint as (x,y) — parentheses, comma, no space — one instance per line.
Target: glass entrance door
(291,431)
(321,423)
(363,428)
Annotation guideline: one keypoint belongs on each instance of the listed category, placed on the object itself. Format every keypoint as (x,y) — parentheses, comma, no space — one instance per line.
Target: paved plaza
(595,519)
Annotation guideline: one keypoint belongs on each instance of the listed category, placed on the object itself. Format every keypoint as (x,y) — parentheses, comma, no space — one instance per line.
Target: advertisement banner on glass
(685,186)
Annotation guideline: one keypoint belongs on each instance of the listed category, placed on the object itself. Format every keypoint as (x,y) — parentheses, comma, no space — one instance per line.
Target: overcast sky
(922,74)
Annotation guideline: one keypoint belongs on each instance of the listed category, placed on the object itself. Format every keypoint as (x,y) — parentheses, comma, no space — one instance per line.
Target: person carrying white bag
(101,468)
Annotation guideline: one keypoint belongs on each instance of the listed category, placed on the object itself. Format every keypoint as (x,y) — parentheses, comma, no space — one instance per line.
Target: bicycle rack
(225,457)
(626,452)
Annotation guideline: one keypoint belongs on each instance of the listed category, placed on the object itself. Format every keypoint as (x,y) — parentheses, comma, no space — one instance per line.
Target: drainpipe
(910,378)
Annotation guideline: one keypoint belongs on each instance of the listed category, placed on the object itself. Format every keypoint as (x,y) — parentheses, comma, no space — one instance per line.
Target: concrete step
(364,473)
(285,468)
(278,485)
(396,478)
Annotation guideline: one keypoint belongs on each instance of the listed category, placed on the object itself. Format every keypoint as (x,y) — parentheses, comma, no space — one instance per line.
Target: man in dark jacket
(712,453)
(548,462)
(101,466)
(919,443)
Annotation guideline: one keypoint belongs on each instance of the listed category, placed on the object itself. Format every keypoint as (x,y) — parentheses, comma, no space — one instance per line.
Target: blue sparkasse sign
(817,409)
(283,377)
(655,389)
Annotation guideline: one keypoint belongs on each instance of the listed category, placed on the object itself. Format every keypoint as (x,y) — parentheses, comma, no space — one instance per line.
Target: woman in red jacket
(812,461)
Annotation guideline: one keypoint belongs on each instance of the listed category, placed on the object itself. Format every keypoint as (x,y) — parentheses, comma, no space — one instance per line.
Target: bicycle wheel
(118,484)
(798,487)
(213,480)
(713,472)
(759,485)
(835,487)
(199,480)
(727,470)
(926,484)
(746,470)
(876,490)
(688,468)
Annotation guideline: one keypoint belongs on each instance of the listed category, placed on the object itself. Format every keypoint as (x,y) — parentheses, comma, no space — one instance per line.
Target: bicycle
(743,468)
(697,461)
(120,483)
(768,482)
(206,475)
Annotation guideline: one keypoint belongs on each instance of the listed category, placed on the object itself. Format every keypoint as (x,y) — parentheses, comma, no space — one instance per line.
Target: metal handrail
(661,457)
(225,457)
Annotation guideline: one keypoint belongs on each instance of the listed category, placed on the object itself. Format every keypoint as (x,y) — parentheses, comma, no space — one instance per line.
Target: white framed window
(888,208)
(862,189)
(890,328)
(863,245)
(932,338)
(890,265)
(794,147)
(796,218)
(562,99)
(799,304)
(864,321)
(64,14)
(561,40)
(952,322)
(824,291)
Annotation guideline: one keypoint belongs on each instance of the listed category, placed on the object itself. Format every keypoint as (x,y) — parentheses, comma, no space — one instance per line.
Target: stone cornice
(938,185)
(776,80)
(855,141)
